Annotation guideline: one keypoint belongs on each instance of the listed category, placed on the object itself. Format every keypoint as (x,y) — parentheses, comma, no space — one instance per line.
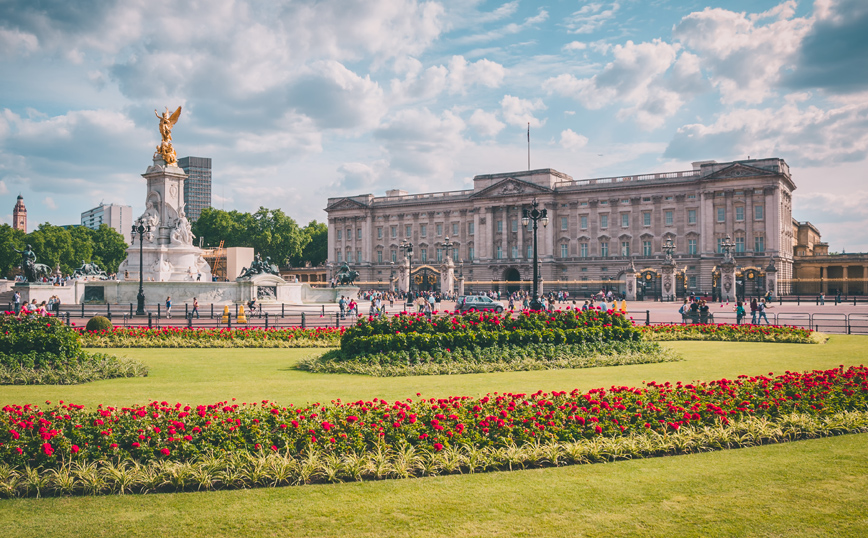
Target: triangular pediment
(346,203)
(511,187)
(739,170)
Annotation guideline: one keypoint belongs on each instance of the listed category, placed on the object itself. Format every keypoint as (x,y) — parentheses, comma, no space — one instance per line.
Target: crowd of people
(695,310)
(44,308)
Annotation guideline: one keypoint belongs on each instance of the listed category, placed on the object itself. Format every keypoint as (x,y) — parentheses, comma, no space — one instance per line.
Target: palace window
(379,233)
(499,254)
(625,248)
(408,231)
(759,244)
(691,246)
(667,218)
(514,225)
(604,221)
(530,252)
(455,229)
(499,226)
(359,233)
(439,254)
(691,216)
(739,244)
(646,218)
(739,212)
(339,235)
(514,252)
(720,245)
(584,220)
(359,256)
(604,249)
(470,228)
(394,256)
(379,256)
(338,256)
(758,212)
(439,230)
(625,220)
(470,253)
(646,248)
(583,250)
(721,214)
(564,250)
(423,254)
(423,230)
(394,232)
(565,223)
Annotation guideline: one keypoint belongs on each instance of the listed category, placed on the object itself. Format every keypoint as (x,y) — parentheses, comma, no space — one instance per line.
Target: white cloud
(3,188)
(509,29)
(570,140)
(49,202)
(486,123)
(635,78)
(519,112)
(574,46)
(482,72)
(590,17)
(421,144)
(746,58)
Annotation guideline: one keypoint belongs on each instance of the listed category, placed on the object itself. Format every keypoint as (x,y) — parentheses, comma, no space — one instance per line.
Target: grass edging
(92,367)
(243,470)
(488,360)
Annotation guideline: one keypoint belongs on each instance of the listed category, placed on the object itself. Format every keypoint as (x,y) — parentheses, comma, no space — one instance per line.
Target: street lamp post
(536,216)
(407,247)
(141,230)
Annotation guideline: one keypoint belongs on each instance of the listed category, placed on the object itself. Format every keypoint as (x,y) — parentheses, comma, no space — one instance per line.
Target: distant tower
(197,187)
(19,215)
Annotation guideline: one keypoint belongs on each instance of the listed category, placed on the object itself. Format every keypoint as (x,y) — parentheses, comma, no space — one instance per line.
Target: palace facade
(597,228)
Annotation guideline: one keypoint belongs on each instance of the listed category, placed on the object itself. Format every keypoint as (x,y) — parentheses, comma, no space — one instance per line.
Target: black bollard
(229,320)
(266,321)
(302,321)
(150,320)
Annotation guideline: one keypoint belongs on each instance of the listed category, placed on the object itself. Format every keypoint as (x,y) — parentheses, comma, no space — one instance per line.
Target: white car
(478,302)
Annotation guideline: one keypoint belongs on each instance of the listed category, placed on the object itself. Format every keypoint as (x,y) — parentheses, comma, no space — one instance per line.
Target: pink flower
(438,447)
(74,449)
(165,451)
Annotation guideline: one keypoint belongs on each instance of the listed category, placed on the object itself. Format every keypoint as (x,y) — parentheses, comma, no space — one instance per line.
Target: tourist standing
(739,313)
(168,307)
(16,298)
(342,304)
(195,308)
(753,311)
(761,312)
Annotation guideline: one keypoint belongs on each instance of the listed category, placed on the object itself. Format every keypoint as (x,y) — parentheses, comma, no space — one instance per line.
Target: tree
(10,239)
(109,248)
(316,251)
(53,246)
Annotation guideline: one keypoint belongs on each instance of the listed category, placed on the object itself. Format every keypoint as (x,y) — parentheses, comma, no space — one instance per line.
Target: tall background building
(119,217)
(197,188)
(19,215)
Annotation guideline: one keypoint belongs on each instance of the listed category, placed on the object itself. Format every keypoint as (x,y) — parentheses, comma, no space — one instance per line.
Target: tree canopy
(270,232)
(57,246)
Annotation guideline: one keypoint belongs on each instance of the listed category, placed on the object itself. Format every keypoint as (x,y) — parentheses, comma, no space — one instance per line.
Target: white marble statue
(183,232)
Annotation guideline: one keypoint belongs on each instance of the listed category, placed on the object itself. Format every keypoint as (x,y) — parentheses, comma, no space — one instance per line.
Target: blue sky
(299,101)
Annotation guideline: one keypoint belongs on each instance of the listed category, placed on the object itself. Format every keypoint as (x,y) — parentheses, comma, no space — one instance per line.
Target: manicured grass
(809,488)
(201,376)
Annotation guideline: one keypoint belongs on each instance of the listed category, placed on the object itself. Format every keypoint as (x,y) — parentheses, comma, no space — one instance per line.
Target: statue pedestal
(630,285)
(168,252)
(44,291)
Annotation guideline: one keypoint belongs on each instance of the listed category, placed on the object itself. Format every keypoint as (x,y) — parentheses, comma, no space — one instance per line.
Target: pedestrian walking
(168,307)
(195,308)
(739,313)
(761,312)
(753,311)
(16,298)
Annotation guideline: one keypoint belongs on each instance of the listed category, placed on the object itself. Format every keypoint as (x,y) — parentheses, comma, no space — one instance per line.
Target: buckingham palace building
(597,229)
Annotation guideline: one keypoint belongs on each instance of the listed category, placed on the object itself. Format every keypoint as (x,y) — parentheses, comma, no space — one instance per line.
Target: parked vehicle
(478,302)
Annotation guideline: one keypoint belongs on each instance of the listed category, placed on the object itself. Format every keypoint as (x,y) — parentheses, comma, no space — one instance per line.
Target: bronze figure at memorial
(165,148)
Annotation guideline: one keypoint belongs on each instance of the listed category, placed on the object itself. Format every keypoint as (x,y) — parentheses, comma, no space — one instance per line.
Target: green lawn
(809,488)
(201,376)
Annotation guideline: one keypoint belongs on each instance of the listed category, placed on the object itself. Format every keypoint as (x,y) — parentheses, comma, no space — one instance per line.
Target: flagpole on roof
(528,146)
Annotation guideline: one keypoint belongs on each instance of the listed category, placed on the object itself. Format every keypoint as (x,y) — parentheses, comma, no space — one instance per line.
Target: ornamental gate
(425,278)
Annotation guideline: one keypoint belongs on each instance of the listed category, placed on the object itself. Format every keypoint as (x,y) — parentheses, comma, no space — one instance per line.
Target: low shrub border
(265,468)
(732,333)
(42,350)
(475,360)
(31,437)
(183,337)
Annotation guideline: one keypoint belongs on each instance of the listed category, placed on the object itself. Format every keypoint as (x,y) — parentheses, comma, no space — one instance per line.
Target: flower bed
(732,333)
(32,437)
(181,337)
(37,350)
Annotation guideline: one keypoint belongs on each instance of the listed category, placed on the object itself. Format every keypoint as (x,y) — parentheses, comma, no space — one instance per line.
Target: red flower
(74,449)
(165,451)
(438,447)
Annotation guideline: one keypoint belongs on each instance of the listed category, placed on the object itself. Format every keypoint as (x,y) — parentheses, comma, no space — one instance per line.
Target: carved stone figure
(346,276)
(165,148)
(182,234)
(259,267)
(88,270)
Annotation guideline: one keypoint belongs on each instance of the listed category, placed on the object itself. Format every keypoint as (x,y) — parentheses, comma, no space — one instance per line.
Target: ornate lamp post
(141,230)
(668,248)
(536,216)
(407,247)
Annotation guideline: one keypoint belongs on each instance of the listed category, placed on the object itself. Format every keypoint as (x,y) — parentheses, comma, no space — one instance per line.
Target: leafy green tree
(316,251)
(109,248)
(10,239)
(53,246)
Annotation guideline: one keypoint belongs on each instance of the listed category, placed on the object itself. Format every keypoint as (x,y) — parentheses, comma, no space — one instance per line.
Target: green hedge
(384,343)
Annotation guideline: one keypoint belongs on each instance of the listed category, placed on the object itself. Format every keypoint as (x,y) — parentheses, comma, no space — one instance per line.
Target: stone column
(668,280)
(772,278)
(630,284)
(461,285)
(447,276)
(404,276)
(727,282)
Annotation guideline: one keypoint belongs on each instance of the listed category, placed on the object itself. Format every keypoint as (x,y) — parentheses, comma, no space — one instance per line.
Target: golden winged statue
(165,148)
